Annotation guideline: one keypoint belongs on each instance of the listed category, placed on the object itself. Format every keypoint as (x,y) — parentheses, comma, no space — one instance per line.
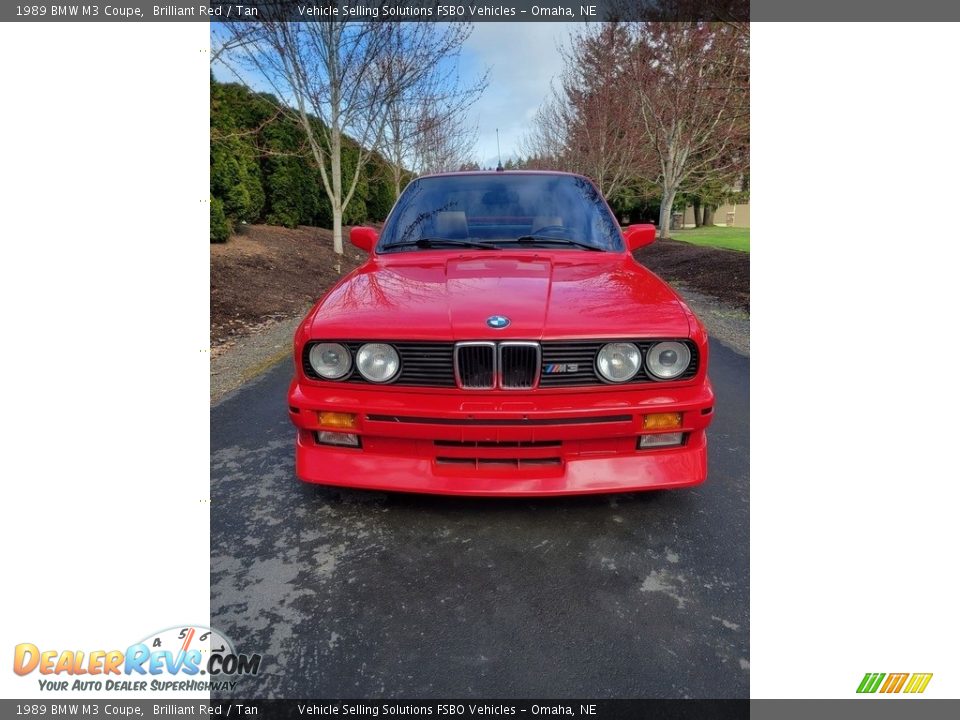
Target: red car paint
(539,441)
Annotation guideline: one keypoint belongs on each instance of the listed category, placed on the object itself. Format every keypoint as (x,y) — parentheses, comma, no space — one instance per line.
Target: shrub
(219,225)
(261,169)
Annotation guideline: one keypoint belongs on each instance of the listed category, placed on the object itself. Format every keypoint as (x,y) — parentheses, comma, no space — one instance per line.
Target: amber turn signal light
(662,421)
(337,420)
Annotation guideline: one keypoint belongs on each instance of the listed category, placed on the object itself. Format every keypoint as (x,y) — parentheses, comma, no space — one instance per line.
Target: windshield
(501,210)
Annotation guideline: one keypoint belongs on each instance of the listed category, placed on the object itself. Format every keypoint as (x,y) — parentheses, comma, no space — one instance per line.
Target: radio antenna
(499,161)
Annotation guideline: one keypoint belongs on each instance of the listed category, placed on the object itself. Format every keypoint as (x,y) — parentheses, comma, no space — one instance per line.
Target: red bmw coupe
(501,340)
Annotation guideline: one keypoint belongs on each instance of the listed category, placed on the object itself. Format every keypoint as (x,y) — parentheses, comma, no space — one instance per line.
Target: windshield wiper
(550,240)
(437,242)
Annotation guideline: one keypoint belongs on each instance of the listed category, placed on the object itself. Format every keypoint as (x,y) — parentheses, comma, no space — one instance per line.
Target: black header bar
(492,11)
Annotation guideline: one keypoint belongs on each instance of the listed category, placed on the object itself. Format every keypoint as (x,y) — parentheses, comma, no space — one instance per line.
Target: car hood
(444,296)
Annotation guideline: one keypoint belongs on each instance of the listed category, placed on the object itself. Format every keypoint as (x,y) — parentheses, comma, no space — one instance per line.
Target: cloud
(523,58)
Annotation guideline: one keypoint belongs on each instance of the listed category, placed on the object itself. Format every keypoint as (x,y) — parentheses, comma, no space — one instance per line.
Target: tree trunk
(697,212)
(708,215)
(336,202)
(338,236)
(666,209)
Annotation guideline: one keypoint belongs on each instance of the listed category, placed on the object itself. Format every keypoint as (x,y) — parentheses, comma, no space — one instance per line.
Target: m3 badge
(559,368)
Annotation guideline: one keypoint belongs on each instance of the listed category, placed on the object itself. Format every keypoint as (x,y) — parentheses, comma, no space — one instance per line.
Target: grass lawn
(721,237)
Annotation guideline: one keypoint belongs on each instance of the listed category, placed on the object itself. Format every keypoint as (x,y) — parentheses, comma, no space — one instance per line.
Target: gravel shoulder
(248,356)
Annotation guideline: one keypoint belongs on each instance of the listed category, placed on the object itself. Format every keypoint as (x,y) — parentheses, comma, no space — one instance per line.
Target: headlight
(377,362)
(667,360)
(330,361)
(618,362)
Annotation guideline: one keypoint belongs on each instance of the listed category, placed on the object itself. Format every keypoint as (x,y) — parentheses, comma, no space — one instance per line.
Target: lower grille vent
(492,444)
(515,463)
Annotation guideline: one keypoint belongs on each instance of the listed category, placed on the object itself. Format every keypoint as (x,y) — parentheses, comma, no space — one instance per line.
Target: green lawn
(721,237)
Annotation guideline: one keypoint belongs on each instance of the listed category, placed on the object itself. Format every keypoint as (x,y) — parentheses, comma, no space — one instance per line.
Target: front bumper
(506,444)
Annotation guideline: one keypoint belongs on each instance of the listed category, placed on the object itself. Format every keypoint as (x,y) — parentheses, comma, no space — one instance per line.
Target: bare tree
(604,138)
(427,116)
(546,144)
(590,122)
(654,101)
(336,79)
(443,142)
(692,81)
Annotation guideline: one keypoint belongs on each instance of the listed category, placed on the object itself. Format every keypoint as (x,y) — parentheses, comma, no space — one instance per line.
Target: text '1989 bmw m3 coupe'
(501,340)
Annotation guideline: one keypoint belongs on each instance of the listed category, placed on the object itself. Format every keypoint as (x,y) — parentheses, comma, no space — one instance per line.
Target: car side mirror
(364,238)
(638,236)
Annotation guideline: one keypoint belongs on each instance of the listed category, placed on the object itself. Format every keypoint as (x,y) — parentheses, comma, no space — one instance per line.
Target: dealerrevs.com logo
(183,659)
(910,683)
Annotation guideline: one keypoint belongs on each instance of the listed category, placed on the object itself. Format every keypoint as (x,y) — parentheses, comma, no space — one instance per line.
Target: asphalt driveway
(351,594)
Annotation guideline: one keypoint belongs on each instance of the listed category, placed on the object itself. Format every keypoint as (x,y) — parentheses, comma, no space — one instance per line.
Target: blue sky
(523,57)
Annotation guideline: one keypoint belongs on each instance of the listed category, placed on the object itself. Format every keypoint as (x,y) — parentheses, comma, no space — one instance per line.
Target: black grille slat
(583,354)
(431,364)
(497,444)
(477,462)
(422,364)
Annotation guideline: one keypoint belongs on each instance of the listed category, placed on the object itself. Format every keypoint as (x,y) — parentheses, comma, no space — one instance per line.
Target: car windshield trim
(545,240)
(431,242)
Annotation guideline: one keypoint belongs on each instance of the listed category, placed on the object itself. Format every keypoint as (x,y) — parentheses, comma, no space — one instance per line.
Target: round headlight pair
(377,362)
(619,362)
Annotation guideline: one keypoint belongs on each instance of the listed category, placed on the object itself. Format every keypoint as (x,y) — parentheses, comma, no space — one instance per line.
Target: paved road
(356,594)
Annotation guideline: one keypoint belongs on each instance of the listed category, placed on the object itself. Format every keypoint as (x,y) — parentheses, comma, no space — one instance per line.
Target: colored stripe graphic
(870,682)
(918,682)
(894,682)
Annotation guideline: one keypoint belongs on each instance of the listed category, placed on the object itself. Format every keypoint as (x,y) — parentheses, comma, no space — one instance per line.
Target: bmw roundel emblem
(498,322)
